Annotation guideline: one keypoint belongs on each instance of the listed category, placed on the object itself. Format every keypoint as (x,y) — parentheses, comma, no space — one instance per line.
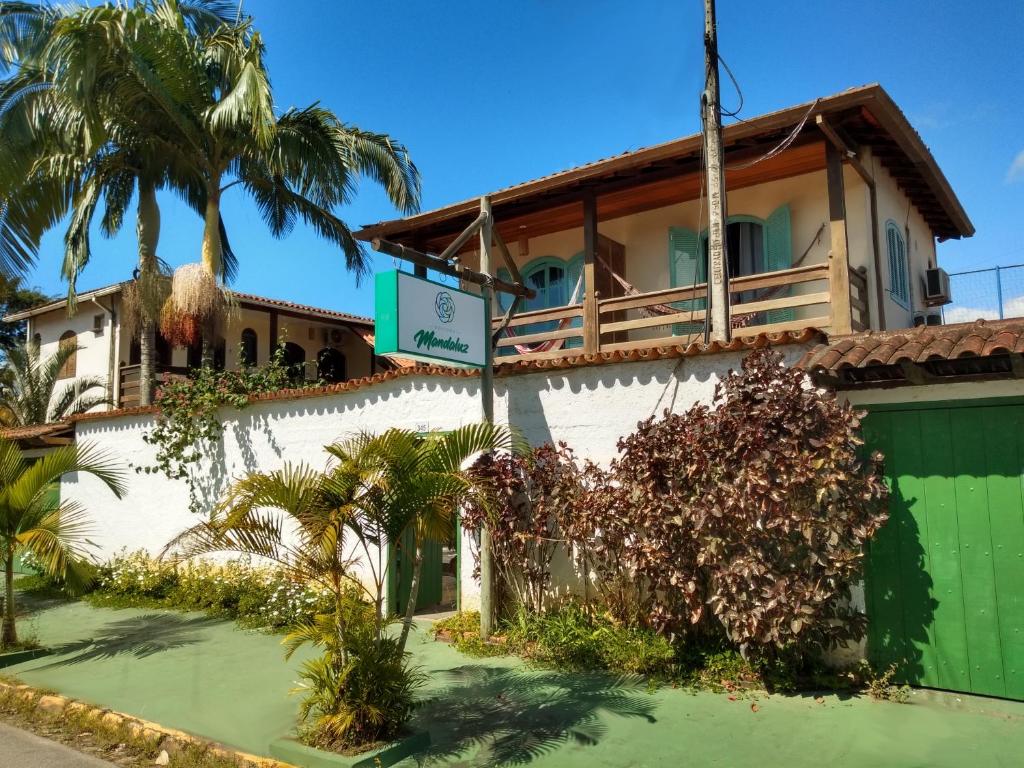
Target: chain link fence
(992,294)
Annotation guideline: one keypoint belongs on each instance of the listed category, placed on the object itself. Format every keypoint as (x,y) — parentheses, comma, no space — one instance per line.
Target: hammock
(738,321)
(553,344)
(654,310)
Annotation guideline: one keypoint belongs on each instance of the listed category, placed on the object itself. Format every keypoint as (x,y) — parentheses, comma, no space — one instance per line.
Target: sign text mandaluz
(428,321)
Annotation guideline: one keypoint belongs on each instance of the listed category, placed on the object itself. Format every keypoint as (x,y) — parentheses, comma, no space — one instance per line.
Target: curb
(168,739)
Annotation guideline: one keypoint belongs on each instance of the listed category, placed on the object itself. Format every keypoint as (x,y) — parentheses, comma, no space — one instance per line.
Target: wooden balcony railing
(131,377)
(789,299)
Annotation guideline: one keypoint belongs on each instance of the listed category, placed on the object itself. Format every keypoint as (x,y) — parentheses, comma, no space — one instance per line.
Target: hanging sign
(424,320)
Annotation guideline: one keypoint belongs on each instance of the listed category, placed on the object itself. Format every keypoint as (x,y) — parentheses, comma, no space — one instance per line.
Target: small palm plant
(31,392)
(328,524)
(32,520)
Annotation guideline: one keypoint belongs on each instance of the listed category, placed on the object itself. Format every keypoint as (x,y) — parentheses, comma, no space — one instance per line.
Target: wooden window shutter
(686,266)
(69,370)
(778,255)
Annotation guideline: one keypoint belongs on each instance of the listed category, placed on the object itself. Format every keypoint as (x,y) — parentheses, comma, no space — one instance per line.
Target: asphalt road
(20,749)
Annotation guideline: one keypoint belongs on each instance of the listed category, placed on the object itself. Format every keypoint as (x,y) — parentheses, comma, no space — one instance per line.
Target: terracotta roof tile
(515,367)
(33,431)
(982,338)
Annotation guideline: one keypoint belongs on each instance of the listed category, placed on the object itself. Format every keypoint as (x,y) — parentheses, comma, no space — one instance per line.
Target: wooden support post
(852,155)
(591,331)
(838,257)
(487,411)
(273,333)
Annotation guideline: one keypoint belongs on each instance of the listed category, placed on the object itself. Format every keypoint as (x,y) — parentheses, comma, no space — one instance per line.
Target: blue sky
(490,94)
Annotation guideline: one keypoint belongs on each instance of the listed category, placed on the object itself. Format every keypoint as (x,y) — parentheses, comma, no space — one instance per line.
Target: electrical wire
(739,92)
(782,146)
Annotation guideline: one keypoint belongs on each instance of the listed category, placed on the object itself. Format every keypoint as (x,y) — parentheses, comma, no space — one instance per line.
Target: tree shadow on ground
(139,636)
(498,717)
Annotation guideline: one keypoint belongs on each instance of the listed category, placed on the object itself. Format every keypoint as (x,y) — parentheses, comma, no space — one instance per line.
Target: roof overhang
(40,435)
(244,299)
(959,352)
(51,306)
(866,114)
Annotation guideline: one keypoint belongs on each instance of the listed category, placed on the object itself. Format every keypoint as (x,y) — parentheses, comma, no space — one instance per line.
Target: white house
(835,208)
(319,343)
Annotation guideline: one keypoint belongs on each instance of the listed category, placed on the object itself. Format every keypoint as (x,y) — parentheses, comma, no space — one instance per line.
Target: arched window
(295,360)
(899,272)
(330,365)
(557,283)
(69,340)
(250,344)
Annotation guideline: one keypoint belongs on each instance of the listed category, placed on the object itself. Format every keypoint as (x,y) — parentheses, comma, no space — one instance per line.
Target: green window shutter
(686,266)
(897,250)
(778,255)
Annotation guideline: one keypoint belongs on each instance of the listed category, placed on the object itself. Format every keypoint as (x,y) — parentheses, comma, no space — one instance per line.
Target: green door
(945,576)
(400,575)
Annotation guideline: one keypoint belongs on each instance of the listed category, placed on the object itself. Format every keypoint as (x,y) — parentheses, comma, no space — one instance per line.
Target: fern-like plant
(33,392)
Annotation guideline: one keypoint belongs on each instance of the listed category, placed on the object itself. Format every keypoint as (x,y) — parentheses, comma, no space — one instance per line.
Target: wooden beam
(433,262)
(838,257)
(591,330)
(850,153)
(273,331)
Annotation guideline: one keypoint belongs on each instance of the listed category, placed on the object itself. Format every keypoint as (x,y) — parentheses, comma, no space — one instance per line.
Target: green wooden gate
(945,576)
(400,575)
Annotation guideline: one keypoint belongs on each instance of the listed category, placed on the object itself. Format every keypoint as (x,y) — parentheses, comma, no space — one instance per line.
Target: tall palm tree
(167,95)
(31,392)
(75,146)
(31,520)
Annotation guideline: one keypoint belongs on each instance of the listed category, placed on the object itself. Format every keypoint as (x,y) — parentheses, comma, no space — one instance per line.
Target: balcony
(789,299)
(129,386)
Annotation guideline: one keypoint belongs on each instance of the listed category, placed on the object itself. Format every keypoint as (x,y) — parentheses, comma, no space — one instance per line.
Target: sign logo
(444,306)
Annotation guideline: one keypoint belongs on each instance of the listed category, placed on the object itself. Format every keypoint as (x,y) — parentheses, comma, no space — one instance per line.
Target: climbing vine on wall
(188,426)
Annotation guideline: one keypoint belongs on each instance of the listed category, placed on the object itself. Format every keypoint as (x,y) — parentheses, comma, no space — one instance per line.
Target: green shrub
(361,690)
(254,596)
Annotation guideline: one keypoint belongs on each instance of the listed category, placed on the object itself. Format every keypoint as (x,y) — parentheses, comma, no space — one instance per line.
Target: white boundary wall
(589,408)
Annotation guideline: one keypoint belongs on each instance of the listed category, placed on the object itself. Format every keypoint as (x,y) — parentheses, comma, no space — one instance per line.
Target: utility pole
(487,408)
(711,117)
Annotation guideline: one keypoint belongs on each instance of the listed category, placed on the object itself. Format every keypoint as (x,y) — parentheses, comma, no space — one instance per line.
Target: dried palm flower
(179,328)
(195,292)
(143,299)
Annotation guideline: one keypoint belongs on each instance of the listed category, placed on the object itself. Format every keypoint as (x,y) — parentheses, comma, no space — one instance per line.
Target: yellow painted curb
(54,704)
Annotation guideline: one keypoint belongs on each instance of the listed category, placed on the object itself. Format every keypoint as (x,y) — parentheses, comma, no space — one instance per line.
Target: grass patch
(572,639)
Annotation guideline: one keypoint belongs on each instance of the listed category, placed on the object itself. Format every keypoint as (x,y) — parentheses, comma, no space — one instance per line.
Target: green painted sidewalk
(213,679)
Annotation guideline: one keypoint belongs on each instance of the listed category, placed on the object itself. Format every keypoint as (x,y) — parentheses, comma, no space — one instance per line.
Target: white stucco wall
(94,355)
(589,408)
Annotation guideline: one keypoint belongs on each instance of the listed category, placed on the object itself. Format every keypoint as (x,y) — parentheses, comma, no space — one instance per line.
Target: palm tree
(418,482)
(77,145)
(318,525)
(32,394)
(376,488)
(32,521)
(147,92)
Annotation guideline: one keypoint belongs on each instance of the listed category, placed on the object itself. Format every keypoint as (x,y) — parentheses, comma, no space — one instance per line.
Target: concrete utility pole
(718,262)
(487,408)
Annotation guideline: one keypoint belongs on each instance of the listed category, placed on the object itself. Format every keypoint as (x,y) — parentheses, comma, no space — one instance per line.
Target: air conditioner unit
(333,336)
(936,287)
(928,318)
